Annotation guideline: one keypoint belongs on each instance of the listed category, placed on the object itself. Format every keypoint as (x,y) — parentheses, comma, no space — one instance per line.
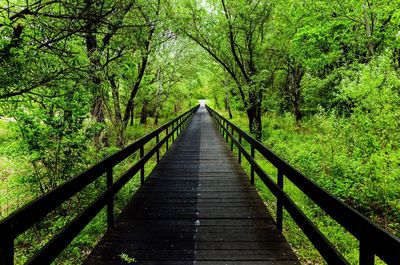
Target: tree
(235,36)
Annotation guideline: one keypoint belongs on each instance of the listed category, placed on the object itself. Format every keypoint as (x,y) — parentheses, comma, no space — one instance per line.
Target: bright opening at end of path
(202,103)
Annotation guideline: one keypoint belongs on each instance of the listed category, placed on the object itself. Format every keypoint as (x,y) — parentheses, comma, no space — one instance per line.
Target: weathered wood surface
(196,207)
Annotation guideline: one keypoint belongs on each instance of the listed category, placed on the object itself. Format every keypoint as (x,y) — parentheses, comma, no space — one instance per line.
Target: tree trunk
(368,31)
(158,106)
(129,105)
(142,69)
(117,113)
(292,89)
(254,114)
(176,108)
(297,114)
(297,77)
(15,40)
(216,101)
(95,64)
(132,115)
(144,113)
(98,112)
(227,105)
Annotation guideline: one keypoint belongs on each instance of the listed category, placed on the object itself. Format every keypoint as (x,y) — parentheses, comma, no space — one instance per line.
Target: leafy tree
(235,36)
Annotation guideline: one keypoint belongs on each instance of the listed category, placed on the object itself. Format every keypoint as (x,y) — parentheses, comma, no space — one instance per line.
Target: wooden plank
(197,206)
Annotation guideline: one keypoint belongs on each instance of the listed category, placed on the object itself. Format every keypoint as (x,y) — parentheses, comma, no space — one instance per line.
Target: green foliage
(342,159)
(56,139)
(79,81)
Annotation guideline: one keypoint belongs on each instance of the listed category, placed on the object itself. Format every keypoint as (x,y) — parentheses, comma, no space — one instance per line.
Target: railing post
(367,257)
(173,132)
(232,140)
(279,206)
(110,204)
(6,250)
(252,167)
(227,129)
(142,168)
(158,150)
(223,128)
(167,138)
(240,151)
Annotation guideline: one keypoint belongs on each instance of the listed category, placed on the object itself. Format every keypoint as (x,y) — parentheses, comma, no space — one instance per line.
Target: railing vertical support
(367,257)
(173,132)
(252,167)
(158,150)
(279,206)
(227,129)
(232,140)
(6,250)
(240,151)
(142,168)
(110,204)
(167,139)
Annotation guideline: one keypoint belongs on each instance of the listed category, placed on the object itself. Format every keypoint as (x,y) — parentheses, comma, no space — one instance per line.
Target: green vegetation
(319,148)
(318,82)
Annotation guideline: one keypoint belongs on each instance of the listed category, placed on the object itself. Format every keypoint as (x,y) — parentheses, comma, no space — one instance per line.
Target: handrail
(24,218)
(373,239)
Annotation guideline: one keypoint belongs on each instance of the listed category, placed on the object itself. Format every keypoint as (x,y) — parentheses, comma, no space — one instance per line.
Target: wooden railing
(26,217)
(374,241)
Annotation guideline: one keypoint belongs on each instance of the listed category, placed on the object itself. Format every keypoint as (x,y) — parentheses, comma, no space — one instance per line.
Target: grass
(13,167)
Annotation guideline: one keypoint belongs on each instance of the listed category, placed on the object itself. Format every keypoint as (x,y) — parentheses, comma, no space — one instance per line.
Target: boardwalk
(196,207)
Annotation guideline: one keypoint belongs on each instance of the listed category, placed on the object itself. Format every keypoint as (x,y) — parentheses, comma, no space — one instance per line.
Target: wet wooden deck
(196,207)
